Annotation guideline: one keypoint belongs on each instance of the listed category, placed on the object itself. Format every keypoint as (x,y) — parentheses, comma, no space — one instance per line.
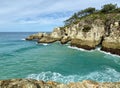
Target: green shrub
(109,8)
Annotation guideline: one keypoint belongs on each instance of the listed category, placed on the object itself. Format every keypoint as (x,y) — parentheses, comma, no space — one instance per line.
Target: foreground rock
(29,83)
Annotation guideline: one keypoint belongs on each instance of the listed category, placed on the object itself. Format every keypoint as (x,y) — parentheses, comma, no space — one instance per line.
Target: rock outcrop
(35,36)
(30,83)
(88,33)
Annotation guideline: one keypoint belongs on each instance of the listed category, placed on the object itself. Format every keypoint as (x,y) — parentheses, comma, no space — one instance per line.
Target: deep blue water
(62,63)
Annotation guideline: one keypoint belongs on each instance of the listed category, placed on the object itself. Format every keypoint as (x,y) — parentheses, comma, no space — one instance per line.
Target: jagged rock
(71,31)
(30,83)
(65,40)
(57,34)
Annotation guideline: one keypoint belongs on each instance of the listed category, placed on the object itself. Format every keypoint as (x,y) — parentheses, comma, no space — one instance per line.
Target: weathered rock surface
(88,35)
(65,40)
(29,83)
(82,44)
(57,34)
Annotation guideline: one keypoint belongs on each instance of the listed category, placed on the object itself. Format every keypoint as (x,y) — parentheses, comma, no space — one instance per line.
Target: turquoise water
(61,63)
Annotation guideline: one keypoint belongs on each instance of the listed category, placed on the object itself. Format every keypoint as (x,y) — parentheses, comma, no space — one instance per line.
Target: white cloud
(43,11)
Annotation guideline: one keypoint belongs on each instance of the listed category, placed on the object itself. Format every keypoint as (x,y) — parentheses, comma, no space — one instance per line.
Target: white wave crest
(76,48)
(108,75)
(45,44)
(23,39)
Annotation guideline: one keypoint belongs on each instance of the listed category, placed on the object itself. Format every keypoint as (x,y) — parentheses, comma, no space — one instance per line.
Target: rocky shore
(86,35)
(30,83)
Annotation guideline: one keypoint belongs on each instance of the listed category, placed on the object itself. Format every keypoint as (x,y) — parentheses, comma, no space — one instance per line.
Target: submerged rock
(30,83)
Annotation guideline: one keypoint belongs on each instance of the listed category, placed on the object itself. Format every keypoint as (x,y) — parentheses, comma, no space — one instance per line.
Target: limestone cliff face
(87,34)
(29,83)
(111,43)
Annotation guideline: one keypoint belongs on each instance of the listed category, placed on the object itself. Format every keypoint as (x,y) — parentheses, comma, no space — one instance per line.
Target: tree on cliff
(109,8)
(72,19)
(80,14)
(86,11)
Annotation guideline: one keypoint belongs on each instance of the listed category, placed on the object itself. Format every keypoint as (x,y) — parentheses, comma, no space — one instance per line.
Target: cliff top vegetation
(107,12)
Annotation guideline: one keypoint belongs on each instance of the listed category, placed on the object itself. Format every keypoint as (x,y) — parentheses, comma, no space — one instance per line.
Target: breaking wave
(45,44)
(107,75)
(80,49)
(23,39)
(98,49)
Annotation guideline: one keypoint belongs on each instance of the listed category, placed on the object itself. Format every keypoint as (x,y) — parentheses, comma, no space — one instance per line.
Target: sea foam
(107,75)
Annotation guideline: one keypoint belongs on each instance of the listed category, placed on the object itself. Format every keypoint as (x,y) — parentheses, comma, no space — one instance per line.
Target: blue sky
(41,15)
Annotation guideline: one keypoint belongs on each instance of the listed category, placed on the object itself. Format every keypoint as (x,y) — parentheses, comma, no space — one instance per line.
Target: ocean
(27,59)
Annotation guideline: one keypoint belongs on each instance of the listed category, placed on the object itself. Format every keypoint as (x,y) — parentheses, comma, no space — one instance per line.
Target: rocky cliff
(29,83)
(88,33)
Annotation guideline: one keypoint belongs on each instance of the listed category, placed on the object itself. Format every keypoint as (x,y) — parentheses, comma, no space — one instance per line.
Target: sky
(41,15)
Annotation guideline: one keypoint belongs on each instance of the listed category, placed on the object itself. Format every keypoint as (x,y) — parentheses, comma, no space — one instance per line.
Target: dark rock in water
(113,51)
(30,83)
(82,44)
